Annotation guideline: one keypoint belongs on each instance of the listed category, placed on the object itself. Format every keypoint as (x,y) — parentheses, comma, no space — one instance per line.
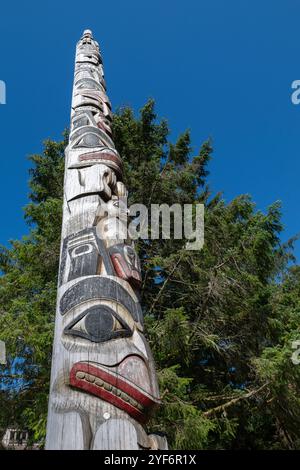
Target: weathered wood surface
(2,353)
(103,380)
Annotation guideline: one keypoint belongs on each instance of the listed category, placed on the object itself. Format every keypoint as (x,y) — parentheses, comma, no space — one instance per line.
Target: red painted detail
(96,95)
(101,156)
(124,271)
(141,397)
(105,127)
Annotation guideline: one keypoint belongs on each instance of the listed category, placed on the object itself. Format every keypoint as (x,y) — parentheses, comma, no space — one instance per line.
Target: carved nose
(133,368)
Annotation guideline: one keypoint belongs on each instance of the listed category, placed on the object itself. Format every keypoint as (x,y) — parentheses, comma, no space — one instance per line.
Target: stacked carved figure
(103,380)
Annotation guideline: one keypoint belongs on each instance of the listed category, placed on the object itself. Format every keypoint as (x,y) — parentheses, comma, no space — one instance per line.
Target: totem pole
(103,380)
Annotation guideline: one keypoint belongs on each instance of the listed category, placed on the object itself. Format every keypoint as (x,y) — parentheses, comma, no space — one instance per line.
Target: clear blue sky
(221,68)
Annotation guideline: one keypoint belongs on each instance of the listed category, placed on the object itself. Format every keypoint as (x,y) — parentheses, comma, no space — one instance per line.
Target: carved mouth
(115,385)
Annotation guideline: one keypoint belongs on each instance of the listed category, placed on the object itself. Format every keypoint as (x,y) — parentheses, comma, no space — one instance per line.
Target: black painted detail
(89,140)
(99,288)
(85,260)
(88,264)
(98,324)
(89,136)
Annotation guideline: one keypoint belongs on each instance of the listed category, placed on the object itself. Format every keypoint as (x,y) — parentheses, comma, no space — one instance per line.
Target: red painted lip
(101,156)
(113,388)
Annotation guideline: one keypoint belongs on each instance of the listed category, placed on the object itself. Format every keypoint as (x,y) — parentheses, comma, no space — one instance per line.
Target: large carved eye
(98,324)
(89,140)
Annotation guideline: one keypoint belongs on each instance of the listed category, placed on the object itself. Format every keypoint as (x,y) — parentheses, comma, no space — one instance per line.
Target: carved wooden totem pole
(103,380)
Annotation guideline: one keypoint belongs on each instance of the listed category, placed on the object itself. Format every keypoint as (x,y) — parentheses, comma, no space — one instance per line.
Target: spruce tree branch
(165,284)
(229,403)
(210,291)
(157,179)
(11,376)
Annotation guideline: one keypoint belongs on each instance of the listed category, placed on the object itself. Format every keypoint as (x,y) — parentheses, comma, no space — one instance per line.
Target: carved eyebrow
(100,288)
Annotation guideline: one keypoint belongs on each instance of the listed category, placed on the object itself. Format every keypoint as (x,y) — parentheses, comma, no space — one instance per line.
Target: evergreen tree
(220,321)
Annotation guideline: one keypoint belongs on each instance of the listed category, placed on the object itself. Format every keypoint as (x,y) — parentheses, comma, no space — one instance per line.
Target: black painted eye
(88,140)
(98,324)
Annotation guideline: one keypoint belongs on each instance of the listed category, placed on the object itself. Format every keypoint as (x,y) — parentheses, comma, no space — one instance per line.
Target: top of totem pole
(87,32)
(87,38)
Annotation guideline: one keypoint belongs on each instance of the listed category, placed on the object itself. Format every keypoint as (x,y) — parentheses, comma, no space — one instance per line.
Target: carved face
(90,138)
(97,179)
(104,331)
(102,324)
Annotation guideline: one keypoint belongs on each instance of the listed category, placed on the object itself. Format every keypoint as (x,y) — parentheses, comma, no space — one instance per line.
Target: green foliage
(28,293)
(220,321)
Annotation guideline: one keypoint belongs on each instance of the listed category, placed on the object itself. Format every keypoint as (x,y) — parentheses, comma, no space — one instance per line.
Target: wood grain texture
(103,380)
